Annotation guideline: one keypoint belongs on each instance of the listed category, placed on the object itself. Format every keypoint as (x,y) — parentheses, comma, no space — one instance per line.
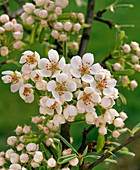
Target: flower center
(15,79)
(26,92)
(53,106)
(87,99)
(52,66)
(60,88)
(31,59)
(101,84)
(84,69)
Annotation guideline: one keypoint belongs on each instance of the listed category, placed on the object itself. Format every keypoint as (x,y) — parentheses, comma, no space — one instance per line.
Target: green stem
(65,52)
(40,138)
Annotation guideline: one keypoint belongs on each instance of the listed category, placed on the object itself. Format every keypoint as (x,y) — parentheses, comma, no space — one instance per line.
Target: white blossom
(29,8)
(70,112)
(74,162)
(51,162)
(38,157)
(12,140)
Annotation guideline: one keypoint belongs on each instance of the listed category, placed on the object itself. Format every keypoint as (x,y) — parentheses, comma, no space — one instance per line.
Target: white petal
(56,95)
(106,102)
(7,79)
(61,77)
(42,63)
(50,102)
(88,90)
(22,59)
(71,85)
(67,96)
(61,63)
(75,73)
(95,68)
(58,119)
(72,110)
(45,73)
(87,78)
(28,53)
(56,73)
(15,87)
(33,65)
(108,91)
(81,105)
(37,56)
(58,108)
(66,113)
(49,111)
(8,72)
(93,84)
(89,108)
(51,85)
(80,95)
(111,82)
(76,62)
(95,97)
(88,59)
(42,110)
(53,55)
(26,68)
(29,99)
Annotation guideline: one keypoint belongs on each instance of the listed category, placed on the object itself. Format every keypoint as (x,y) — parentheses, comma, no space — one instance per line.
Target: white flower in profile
(15,78)
(35,75)
(30,59)
(62,88)
(58,119)
(8,153)
(27,93)
(83,67)
(51,162)
(31,148)
(100,121)
(38,157)
(107,102)
(41,85)
(14,158)
(53,66)
(70,112)
(102,130)
(49,105)
(87,99)
(91,117)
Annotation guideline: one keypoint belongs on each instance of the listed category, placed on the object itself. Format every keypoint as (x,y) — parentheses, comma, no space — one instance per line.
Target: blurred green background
(14,111)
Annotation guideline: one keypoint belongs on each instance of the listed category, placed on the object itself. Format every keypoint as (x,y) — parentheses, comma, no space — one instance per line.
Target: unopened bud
(34,164)
(4,18)
(2,30)
(138,52)
(58,26)
(118,122)
(133,84)
(117,66)
(18,27)
(102,130)
(42,119)
(18,130)
(22,139)
(29,8)
(55,34)
(49,141)
(72,15)
(137,67)
(80,16)
(126,48)
(18,35)
(2,154)
(14,21)
(14,166)
(74,162)
(14,158)
(123,116)
(77,27)
(58,11)
(134,45)
(67,26)
(43,14)
(124,79)
(38,157)
(12,140)
(36,12)
(39,2)
(134,59)
(63,37)
(40,127)
(24,16)
(115,134)
(24,158)
(20,147)
(35,119)
(67,152)
(52,17)
(75,46)
(26,129)
(8,26)
(2,161)
(44,23)
(30,20)
(31,147)
(46,130)
(4,51)
(51,162)
(17,45)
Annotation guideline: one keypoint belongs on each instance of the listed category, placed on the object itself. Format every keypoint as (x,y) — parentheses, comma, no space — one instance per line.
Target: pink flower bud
(18,27)
(55,34)
(44,23)
(134,59)
(26,129)
(36,12)
(74,162)
(72,15)
(49,6)
(117,66)
(63,37)
(17,45)
(126,48)
(80,16)
(55,128)
(18,35)
(51,162)
(35,119)
(18,130)
(39,2)
(67,26)
(20,147)
(134,46)
(4,18)
(51,134)
(133,84)
(29,8)
(14,21)
(103,130)
(2,30)
(123,116)
(4,51)
(137,67)
(67,152)
(43,14)
(2,161)
(49,142)
(49,124)
(52,17)
(38,157)
(115,134)
(12,140)
(14,158)
(118,122)
(124,79)
(8,26)
(24,16)
(75,46)
(24,158)
(77,27)
(46,130)
(22,139)
(58,26)
(42,119)
(58,11)
(40,127)
(30,20)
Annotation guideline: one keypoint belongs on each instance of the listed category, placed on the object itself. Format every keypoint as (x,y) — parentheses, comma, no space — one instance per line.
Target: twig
(103,157)
(2,63)
(105,59)
(87,31)
(85,133)
(101,12)
(111,24)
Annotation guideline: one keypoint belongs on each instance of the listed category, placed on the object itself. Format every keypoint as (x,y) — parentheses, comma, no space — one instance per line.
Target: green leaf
(123,99)
(27,26)
(42,35)
(59,149)
(124,6)
(120,37)
(100,143)
(128,72)
(97,157)
(136,128)
(85,151)
(40,138)
(51,40)
(29,168)
(33,33)
(67,143)
(42,168)
(118,144)
(67,158)
(131,154)
(64,16)
(108,64)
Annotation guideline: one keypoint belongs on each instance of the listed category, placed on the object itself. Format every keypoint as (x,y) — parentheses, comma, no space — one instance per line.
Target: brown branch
(111,24)
(101,12)
(2,63)
(87,31)
(105,59)
(85,133)
(88,166)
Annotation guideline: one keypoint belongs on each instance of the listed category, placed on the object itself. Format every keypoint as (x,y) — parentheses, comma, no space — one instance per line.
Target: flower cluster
(129,57)
(49,13)
(67,90)
(11,33)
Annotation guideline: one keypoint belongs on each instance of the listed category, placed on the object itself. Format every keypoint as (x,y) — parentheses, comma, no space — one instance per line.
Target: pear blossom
(102,130)
(15,166)
(70,112)
(2,161)
(38,157)
(14,158)
(30,59)
(4,51)
(12,140)
(87,99)
(51,67)
(24,158)
(15,78)
(27,93)
(8,153)
(107,102)
(83,67)
(36,75)
(58,119)
(29,8)
(91,117)
(74,162)
(48,105)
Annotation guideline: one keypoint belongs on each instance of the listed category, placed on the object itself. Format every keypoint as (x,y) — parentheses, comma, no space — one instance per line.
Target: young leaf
(40,138)
(136,128)
(100,142)
(67,158)
(97,157)
(85,151)
(123,99)
(128,72)
(131,154)
(33,33)
(42,35)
